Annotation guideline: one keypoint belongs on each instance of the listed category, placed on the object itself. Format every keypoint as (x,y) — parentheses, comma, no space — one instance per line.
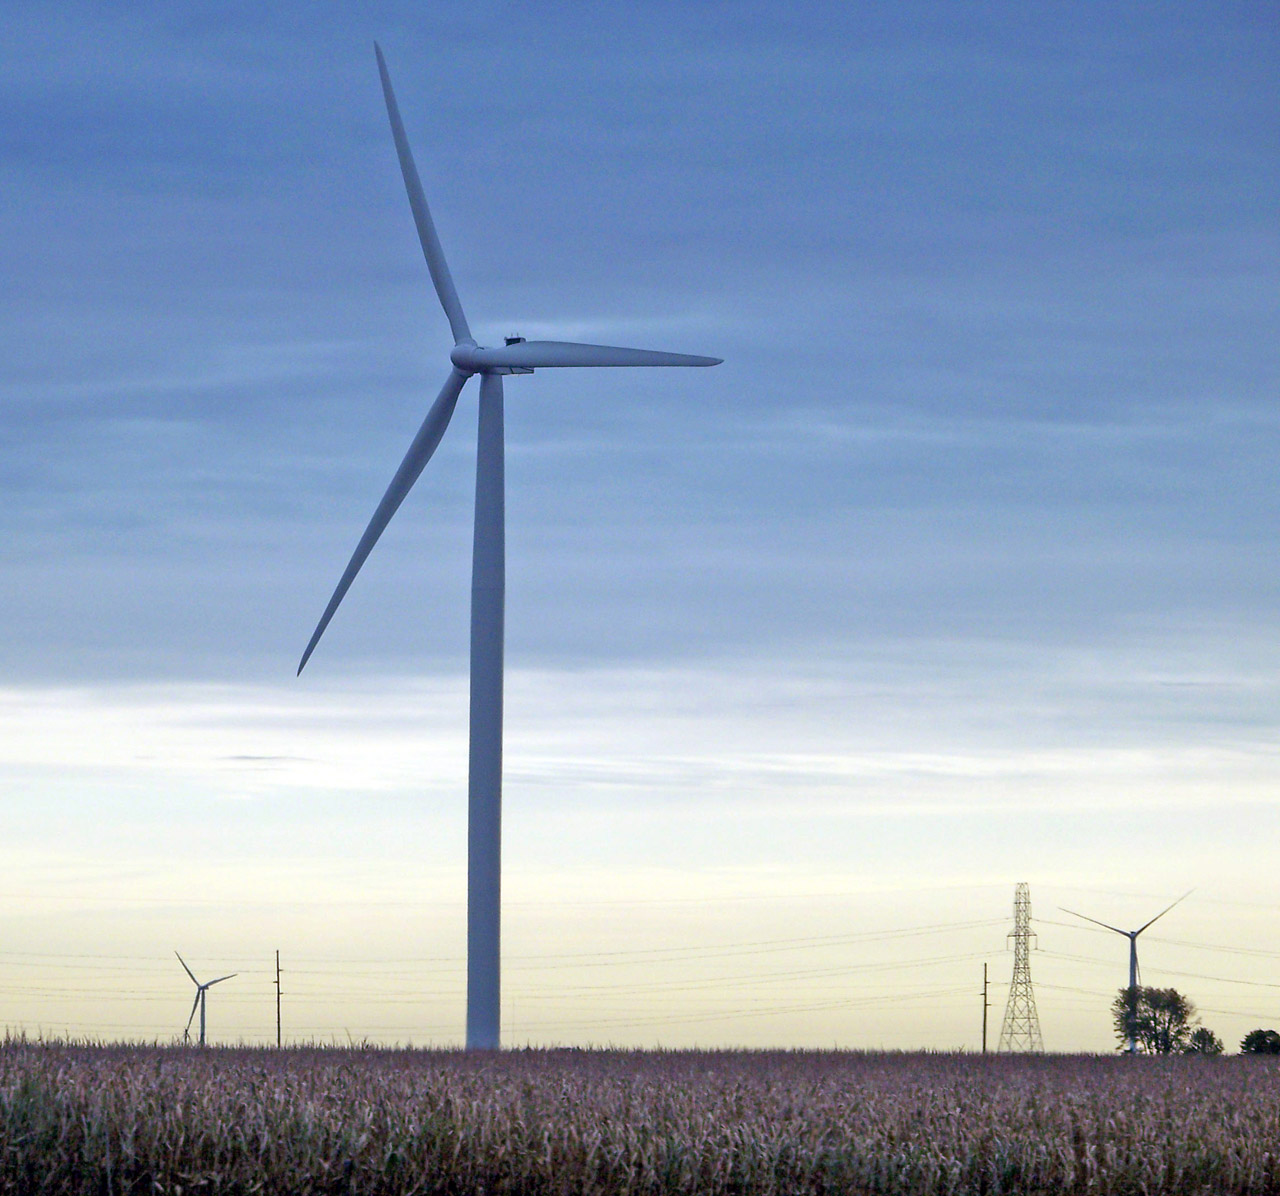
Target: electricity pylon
(1021,1029)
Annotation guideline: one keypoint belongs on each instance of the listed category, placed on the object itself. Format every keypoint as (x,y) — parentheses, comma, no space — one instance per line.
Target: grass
(151,1119)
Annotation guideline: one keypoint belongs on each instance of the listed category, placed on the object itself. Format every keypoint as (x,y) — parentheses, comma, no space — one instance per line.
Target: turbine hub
(469,358)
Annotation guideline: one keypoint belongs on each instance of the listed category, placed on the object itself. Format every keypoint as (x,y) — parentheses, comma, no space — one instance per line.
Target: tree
(1203,1041)
(1261,1042)
(1159,1019)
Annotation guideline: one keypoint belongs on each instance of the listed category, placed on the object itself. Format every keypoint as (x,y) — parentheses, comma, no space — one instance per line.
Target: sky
(961,571)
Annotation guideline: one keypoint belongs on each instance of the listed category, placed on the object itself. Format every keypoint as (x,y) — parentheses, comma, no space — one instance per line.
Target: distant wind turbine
(201,990)
(517,356)
(1132,936)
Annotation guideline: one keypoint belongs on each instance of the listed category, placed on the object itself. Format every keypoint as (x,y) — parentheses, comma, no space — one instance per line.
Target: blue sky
(960,570)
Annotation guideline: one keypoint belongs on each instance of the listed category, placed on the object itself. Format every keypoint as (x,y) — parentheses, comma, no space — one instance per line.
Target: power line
(1163,971)
(539,903)
(749,946)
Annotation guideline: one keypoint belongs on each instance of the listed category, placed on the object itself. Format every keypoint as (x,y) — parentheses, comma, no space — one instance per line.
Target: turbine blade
(219,980)
(550,354)
(431,250)
(424,444)
(1095,921)
(1164,911)
(188,971)
(194,1007)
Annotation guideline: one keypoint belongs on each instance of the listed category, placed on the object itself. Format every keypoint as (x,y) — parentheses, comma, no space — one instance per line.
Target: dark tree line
(1163,1021)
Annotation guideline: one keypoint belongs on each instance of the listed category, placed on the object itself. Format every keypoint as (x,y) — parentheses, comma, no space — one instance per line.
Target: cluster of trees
(1162,1021)
(1261,1042)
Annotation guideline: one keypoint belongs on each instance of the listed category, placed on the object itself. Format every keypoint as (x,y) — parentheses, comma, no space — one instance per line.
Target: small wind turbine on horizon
(488,583)
(199,1003)
(1132,936)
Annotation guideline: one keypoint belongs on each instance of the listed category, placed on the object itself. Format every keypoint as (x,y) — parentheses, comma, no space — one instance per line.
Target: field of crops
(106,1119)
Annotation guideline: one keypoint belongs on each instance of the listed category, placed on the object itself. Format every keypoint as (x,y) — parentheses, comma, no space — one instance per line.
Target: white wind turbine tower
(199,1003)
(517,356)
(1132,936)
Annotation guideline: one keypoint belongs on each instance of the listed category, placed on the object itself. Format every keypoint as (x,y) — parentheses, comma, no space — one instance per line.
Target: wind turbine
(201,990)
(517,356)
(1132,936)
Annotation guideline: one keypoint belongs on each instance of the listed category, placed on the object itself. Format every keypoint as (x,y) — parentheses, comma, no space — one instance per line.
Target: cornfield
(154,1119)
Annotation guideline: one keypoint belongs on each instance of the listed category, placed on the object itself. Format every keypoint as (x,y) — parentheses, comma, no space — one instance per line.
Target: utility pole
(1021,1028)
(985,1006)
(278,1039)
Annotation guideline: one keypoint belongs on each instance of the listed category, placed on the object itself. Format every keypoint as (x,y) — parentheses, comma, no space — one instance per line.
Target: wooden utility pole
(278,1039)
(985,1006)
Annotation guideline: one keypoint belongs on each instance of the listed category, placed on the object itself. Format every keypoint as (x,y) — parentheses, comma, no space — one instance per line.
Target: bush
(1203,1041)
(1260,1042)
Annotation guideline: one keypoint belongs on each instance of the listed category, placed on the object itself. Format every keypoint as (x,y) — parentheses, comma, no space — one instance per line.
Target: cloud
(922,727)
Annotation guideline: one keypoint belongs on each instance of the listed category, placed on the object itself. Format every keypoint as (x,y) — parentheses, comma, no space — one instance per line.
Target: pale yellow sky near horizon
(701,856)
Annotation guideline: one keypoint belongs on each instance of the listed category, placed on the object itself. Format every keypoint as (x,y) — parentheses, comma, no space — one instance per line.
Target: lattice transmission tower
(1021,1029)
